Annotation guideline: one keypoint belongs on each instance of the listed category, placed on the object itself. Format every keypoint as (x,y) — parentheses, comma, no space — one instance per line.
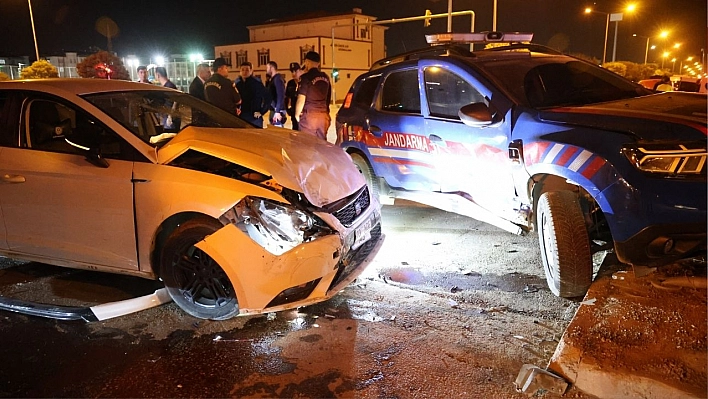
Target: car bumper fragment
(93,313)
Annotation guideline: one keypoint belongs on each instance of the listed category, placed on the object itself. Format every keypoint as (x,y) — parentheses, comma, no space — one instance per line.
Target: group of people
(304,98)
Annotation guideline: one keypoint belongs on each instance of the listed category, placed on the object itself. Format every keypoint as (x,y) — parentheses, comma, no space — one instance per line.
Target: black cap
(312,56)
(218,63)
(294,66)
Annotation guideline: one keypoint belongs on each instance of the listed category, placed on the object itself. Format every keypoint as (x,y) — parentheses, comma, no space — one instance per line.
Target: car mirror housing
(475,115)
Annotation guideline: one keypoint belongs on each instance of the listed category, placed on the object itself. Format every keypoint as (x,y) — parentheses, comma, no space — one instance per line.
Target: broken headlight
(683,160)
(275,226)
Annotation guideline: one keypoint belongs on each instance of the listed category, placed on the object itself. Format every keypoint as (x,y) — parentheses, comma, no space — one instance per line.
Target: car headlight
(669,160)
(275,226)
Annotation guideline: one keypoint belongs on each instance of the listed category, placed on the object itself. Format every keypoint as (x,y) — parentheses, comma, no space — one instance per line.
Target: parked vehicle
(136,179)
(526,138)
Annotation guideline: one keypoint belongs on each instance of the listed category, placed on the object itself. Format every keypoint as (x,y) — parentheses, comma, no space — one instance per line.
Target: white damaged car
(130,178)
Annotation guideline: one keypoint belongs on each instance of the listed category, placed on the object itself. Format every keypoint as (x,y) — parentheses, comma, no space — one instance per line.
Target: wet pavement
(451,307)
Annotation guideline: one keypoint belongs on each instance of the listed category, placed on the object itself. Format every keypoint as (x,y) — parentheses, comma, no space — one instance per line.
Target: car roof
(77,86)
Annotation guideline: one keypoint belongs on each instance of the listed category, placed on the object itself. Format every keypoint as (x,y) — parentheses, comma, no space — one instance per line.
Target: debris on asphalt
(589,302)
(455,289)
(452,303)
(530,288)
(533,380)
(270,316)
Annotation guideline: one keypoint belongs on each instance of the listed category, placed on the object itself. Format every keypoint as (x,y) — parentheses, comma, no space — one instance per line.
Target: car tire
(195,282)
(565,246)
(368,172)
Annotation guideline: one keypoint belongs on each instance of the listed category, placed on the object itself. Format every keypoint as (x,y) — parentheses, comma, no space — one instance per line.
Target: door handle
(437,140)
(375,130)
(13,179)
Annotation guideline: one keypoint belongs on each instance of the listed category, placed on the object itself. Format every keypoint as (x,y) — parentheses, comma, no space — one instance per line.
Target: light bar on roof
(479,37)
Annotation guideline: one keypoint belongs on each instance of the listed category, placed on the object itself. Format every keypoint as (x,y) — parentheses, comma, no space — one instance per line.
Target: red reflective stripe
(593,167)
(566,155)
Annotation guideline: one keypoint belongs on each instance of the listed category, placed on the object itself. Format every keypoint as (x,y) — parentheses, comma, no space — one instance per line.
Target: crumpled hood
(298,161)
(674,115)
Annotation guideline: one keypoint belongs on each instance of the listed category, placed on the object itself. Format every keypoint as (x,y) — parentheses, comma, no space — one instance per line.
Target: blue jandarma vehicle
(526,138)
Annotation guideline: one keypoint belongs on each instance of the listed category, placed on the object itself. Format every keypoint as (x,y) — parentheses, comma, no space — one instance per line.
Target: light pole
(494,17)
(607,28)
(646,52)
(616,17)
(34,34)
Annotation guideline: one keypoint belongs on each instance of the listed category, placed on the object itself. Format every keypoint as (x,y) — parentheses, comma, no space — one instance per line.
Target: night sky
(178,26)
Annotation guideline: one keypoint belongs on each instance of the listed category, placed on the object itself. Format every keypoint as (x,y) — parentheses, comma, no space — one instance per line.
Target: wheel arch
(592,206)
(163,232)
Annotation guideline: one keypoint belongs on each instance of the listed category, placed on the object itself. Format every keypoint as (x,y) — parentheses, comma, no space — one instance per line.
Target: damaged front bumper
(310,272)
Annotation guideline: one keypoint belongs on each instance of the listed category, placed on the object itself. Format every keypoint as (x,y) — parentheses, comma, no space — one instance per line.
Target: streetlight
(34,34)
(663,58)
(615,17)
(673,64)
(646,52)
(607,28)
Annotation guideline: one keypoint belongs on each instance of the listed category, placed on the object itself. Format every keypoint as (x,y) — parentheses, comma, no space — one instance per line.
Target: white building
(66,64)
(355,47)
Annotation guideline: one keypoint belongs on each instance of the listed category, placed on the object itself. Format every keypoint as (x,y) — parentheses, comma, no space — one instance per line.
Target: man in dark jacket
(313,97)
(196,88)
(220,90)
(254,96)
(291,92)
(276,90)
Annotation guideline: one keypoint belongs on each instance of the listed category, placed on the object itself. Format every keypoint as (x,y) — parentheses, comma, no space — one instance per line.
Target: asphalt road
(450,308)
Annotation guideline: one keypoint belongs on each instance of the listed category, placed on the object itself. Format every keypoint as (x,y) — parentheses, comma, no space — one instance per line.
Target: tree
(40,69)
(4,76)
(102,65)
(616,67)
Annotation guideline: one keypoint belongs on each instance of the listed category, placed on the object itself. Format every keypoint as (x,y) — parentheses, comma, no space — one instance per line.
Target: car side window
(447,92)
(9,118)
(400,92)
(55,127)
(365,95)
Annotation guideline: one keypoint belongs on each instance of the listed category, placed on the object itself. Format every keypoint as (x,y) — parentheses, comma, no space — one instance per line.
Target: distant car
(135,179)
(526,138)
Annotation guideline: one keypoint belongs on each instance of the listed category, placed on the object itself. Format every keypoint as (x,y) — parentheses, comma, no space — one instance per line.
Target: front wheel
(193,279)
(565,245)
(368,172)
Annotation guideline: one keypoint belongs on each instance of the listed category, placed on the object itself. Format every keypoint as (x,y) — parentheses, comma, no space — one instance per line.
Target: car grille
(350,212)
(354,258)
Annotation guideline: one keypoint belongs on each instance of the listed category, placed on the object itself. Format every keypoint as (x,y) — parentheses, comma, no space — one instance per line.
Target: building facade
(346,42)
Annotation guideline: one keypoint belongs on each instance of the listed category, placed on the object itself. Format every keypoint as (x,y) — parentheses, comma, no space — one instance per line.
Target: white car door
(58,205)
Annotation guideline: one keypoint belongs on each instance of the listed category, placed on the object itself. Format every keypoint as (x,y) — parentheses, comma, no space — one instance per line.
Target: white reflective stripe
(409,154)
(552,153)
(580,160)
(132,305)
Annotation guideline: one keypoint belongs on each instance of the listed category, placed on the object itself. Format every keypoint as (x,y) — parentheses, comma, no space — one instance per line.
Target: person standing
(161,75)
(143,75)
(254,96)
(313,97)
(291,92)
(276,89)
(220,90)
(196,88)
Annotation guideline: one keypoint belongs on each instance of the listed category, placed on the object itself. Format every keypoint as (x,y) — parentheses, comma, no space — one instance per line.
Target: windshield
(156,116)
(555,81)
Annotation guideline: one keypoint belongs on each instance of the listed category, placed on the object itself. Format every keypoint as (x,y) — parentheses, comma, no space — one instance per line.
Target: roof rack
(537,48)
(457,44)
(450,49)
(479,37)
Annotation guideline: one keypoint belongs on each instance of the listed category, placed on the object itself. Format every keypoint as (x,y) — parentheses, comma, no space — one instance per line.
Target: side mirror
(475,115)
